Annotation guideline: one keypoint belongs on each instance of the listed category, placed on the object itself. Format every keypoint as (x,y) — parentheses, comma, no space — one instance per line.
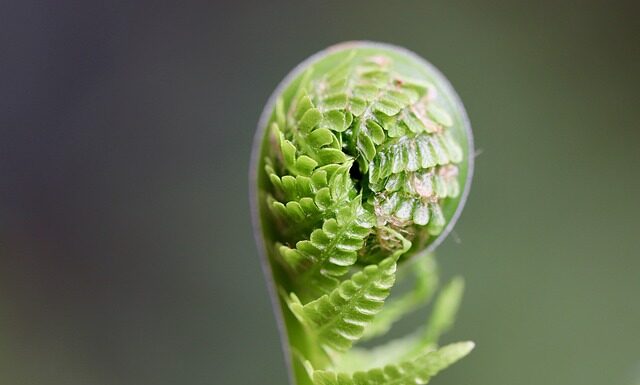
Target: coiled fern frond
(361,162)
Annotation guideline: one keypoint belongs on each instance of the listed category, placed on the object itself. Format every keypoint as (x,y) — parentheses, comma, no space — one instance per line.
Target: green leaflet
(426,280)
(415,344)
(331,249)
(319,143)
(412,372)
(338,319)
(293,163)
(304,201)
(363,163)
(363,92)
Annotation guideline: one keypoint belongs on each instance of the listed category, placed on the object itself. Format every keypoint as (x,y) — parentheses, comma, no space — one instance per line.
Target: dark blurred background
(126,253)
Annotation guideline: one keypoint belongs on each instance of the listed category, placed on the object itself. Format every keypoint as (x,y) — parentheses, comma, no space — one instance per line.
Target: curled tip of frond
(363,162)
(393,135)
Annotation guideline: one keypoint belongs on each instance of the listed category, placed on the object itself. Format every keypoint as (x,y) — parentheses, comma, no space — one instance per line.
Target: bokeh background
(126,253)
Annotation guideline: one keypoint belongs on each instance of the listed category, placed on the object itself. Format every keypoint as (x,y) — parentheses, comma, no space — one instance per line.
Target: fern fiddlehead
(361,165)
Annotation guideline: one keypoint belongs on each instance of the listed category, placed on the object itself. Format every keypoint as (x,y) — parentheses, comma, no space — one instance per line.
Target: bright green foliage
(338,319)
(426,280)
(411,346)
(363,164)
(412,372)
(331,249)
(303,201)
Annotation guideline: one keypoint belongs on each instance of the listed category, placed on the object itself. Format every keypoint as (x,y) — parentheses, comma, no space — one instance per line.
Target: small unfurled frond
(426,281)
(332,249)
(415,344)
(413,372)
(338,319)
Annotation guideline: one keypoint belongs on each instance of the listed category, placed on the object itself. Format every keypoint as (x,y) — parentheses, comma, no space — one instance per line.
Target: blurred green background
(126,253)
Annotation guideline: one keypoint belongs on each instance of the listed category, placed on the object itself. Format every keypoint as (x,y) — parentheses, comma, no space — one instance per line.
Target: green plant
(361,166)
